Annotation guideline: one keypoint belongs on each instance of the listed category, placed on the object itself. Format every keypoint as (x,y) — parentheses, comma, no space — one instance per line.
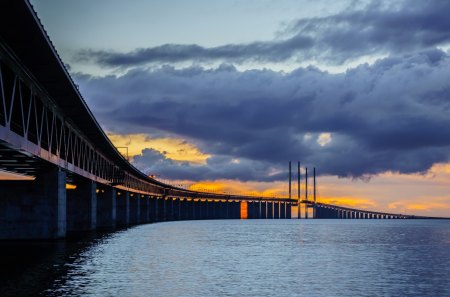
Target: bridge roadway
(329,211)
(80,181)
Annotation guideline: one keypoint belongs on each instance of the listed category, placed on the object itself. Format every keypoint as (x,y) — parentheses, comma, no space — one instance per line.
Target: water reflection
(241,258)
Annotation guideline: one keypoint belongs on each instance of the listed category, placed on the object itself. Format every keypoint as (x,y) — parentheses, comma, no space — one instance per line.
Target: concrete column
(284,210)
(34,209)
(183,209)
(262,206)
(123,208)
(289,211)
(191,210)
(135,209)
(106,208)
(152,208)
(144,211)
(180,209)
(270,209)
(276,210)
(161,202)
(173,210)
(82,206)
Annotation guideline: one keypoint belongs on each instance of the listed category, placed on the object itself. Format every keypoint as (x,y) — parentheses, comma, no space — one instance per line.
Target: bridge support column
(282,210)
(201,209)
(179,208)
(144,209)
(34,209)
(162,209)
(198,209)
(191,209)
(182,209)
(226,211)
(135,209)
(153,206)
(123,209)
(235,210)
(106,208)
(82,206)
(271,210)
(260,210)
(263,210)
(250,210)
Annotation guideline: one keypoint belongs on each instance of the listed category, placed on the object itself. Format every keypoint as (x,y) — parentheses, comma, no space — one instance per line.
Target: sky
(221,95)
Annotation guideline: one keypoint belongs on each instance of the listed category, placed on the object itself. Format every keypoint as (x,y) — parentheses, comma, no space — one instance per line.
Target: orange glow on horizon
(173,148)
(415,194)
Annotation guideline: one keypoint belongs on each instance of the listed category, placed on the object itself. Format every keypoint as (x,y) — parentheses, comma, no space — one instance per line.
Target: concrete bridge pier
(200,209)
(210,209)
(82,206)
(282,210)
(195,214)
(34,209)
(223,207)
(289,211)
(176,214)
(191,209)
(153,208)
(135,209)
(221,210)
(206,205)
(160,209)
(169,209)
(271,210)
(234,210)
(123,209)
(263,210)
(175,209)
(144,201)
(106,207)
(276,210)
(250,210)
(182,209)
(203,211)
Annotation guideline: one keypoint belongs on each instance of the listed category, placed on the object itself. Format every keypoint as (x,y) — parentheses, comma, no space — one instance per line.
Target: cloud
(173,148)
(378,28)
(389,116)
(324,139)
(153,162)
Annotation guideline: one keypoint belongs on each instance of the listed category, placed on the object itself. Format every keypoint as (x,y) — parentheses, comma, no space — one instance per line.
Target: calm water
(238,258)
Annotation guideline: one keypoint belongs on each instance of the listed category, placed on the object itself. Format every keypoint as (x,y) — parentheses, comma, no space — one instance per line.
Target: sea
(237,258)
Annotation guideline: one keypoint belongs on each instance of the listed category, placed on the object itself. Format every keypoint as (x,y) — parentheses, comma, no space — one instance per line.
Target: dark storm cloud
(378,28)
(391,116)
(216,167)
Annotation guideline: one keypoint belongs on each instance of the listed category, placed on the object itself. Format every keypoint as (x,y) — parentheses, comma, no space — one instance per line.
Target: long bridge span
(72,176)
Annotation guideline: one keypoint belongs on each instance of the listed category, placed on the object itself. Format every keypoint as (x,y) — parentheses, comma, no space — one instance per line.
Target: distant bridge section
(328,211)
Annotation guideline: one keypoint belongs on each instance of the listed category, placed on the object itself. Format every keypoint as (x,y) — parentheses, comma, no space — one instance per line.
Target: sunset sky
(221,95)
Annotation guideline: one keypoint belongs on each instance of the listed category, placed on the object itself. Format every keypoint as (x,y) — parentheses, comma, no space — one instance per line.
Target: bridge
(64,174)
